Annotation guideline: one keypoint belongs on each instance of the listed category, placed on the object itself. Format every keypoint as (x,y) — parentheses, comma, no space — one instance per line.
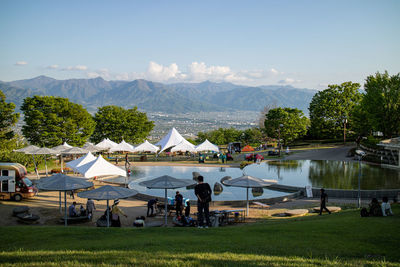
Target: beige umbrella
(44,151)
(27,150)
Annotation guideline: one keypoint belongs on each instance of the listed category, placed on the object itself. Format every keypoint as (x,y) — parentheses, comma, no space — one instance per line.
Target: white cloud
(21,63)
(52,67)
(157,72)
(289,81)
(195,72)
(77,67)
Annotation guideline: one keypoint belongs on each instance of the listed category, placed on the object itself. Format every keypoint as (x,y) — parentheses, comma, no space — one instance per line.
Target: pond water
(317,173)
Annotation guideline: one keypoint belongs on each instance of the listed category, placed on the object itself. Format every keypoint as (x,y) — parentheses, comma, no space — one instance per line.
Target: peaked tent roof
(171,139)
(184,146)
(75,151)
(100,167)
(91,147)
(27,149)
(43,151)
(74,164)
(146,146)
(62,147)
(106,144)
(207,146)
(62,182)
(247,148)
(123,147)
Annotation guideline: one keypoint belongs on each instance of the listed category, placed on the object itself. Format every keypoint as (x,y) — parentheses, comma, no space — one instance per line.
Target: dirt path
(337,153)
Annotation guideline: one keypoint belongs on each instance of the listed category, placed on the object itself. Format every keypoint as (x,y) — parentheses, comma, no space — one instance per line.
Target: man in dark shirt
(203,193)
(150,206)
(324,199)
(178,203)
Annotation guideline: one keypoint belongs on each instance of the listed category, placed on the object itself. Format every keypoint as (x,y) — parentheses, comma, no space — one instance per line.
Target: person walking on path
(203,192)
(324,199)
(178,203)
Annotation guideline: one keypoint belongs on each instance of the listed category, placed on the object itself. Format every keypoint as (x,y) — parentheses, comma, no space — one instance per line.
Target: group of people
(203,193)
(376,209)
(90,207)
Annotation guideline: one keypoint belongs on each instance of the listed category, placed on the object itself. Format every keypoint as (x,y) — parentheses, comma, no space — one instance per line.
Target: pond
(317,173)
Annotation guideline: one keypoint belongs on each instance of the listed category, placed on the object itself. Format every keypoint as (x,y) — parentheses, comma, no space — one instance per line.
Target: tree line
(341,109)
(50,121)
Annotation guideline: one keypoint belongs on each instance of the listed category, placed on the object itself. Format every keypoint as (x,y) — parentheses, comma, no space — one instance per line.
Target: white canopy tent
(207,146)
(62,147)
(184,146)
(100,167)
(74,164)
(122,147)
(106,144)
(146,147)
(173,138)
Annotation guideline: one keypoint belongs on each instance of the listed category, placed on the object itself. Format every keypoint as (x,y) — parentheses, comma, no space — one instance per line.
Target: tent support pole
(61,163)
(36,169)
(59,196)
(166,207)
(65,209)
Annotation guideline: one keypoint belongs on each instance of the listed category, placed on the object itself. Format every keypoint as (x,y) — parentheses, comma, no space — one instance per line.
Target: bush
(371,142)
(244,164)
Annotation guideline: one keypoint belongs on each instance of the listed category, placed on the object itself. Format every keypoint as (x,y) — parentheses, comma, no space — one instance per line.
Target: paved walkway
(337,153)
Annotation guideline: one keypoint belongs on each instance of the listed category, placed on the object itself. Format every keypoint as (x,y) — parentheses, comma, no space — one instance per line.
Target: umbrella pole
(59,196)
(45,164)
(247,202)
(65,208)
(166,206)
(108,215)
(34,163)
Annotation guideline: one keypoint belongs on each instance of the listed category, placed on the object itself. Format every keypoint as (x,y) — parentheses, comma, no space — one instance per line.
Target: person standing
(150,206)
(203,192)
(324,199)
(90,207)
(178,203)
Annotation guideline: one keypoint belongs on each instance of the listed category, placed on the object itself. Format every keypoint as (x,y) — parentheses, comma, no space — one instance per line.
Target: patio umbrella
(92,148)
(108,192)
(61,182)
(248,182)
(60,149)
(166,182)
(28,149)
(44,151)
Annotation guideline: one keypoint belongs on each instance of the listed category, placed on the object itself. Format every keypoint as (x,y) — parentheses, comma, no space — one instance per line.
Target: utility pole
(344,131)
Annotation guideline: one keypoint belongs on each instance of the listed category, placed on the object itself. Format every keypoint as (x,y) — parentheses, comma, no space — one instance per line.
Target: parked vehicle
(13,182)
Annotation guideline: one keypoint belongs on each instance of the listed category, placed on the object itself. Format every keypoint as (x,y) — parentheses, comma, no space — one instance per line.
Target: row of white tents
(173,140)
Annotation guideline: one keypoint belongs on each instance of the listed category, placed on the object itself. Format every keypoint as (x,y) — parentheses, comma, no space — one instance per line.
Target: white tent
(74,164)
(184,146)
(207,146)
(171,139)
(100,167)
(146,147)
(62,147)
(106,144)
(122,147)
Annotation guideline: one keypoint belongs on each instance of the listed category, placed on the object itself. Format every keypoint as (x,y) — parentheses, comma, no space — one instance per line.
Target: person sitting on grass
(375,208)
(72,210)
(386,209)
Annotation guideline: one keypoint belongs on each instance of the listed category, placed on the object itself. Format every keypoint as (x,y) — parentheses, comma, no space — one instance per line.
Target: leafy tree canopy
(381,103)
(288,123)
(8,119)
(50,121)
(120,124)
(330,108)
(221,136)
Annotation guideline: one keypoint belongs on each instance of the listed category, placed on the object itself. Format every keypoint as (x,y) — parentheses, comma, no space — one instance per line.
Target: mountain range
(158,97)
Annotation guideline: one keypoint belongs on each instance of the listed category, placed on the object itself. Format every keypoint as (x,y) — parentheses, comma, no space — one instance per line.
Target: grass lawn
(339,239)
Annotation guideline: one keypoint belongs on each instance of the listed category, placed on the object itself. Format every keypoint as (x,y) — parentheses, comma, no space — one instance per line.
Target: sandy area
(46,204)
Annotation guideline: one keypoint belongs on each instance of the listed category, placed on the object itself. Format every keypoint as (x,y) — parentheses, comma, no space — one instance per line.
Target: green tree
(8,119)
(288,123)
(252,136)
(381,103)
(221,136)
(120,124)
(50,121)
(332,108)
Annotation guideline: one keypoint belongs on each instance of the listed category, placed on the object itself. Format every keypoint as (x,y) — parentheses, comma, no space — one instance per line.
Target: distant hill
(159,97)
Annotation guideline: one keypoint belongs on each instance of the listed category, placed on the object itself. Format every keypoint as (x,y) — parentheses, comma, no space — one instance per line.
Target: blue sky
(303,43)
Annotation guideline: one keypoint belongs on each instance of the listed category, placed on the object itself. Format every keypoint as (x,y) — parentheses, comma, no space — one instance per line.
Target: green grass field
(343,239)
